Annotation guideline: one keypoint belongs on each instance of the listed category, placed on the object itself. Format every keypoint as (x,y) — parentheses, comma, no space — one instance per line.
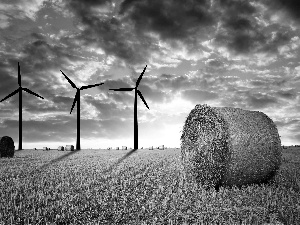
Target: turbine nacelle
(77,95)
(135,88)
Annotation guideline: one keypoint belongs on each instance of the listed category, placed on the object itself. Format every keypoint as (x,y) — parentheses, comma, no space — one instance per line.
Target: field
(149,187)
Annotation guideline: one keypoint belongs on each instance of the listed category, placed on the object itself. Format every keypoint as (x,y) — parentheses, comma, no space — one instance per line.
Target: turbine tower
(77,99)
(136,92)
(20,89)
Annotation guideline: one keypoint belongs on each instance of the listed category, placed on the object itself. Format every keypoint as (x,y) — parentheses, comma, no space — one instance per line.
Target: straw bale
(151,148)
(7,147)
(124,147)
(223,146)
(60,148)
(69,148)
(161,147)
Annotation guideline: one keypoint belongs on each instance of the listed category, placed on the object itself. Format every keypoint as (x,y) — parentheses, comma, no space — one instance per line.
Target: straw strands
(7,147)
(229,146)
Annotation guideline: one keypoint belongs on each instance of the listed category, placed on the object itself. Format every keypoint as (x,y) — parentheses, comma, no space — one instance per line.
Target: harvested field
(149,187)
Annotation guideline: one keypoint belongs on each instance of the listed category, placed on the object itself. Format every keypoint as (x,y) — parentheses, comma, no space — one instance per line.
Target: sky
(223,53)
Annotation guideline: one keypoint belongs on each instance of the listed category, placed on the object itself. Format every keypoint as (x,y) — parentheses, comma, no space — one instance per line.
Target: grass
(149,187)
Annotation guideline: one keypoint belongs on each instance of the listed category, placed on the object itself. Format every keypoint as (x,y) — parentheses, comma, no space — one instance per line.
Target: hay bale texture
(223,146)
(7,147)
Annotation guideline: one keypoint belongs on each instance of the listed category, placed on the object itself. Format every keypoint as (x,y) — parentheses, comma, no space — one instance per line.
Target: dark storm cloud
(292,7)
(109,110)
(40,55)
(9,81)
(237,31)
(166,76)
(261,101)
(171,19)
(231,6)
(108,32)
(198,96)
(280,36)
(88,3)
(241,33)
(248,99)
(62,100)
(125,35)
(123,31)
(215,63)
(288,94)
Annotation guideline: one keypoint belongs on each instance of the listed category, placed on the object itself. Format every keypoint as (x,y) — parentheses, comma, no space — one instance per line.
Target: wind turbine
(20,89)
(136,92)
(77,98)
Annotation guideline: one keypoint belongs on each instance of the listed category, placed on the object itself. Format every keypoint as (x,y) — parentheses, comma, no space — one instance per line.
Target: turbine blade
(31,92)
(140,77)
(72,84)
(90,86)
(75,100)
(141,96)
(11,94)
(19,75)
(122,89)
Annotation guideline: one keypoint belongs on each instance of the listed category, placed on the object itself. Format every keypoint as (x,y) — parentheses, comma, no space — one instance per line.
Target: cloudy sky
(230,53)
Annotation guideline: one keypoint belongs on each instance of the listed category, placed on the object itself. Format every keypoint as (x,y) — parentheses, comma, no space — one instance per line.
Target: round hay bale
(223,146)
(7,147)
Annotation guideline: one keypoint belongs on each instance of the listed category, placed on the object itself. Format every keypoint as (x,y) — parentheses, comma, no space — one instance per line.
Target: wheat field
(149,187)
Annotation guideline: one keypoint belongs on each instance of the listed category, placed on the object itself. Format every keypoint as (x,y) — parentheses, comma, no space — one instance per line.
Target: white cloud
(22,9)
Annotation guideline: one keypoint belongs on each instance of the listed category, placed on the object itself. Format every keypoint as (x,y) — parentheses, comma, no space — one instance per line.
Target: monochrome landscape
(187,112)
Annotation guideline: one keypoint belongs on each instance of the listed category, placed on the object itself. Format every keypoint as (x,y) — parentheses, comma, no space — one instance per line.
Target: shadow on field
(73,152)
(57,159)
(120,160)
